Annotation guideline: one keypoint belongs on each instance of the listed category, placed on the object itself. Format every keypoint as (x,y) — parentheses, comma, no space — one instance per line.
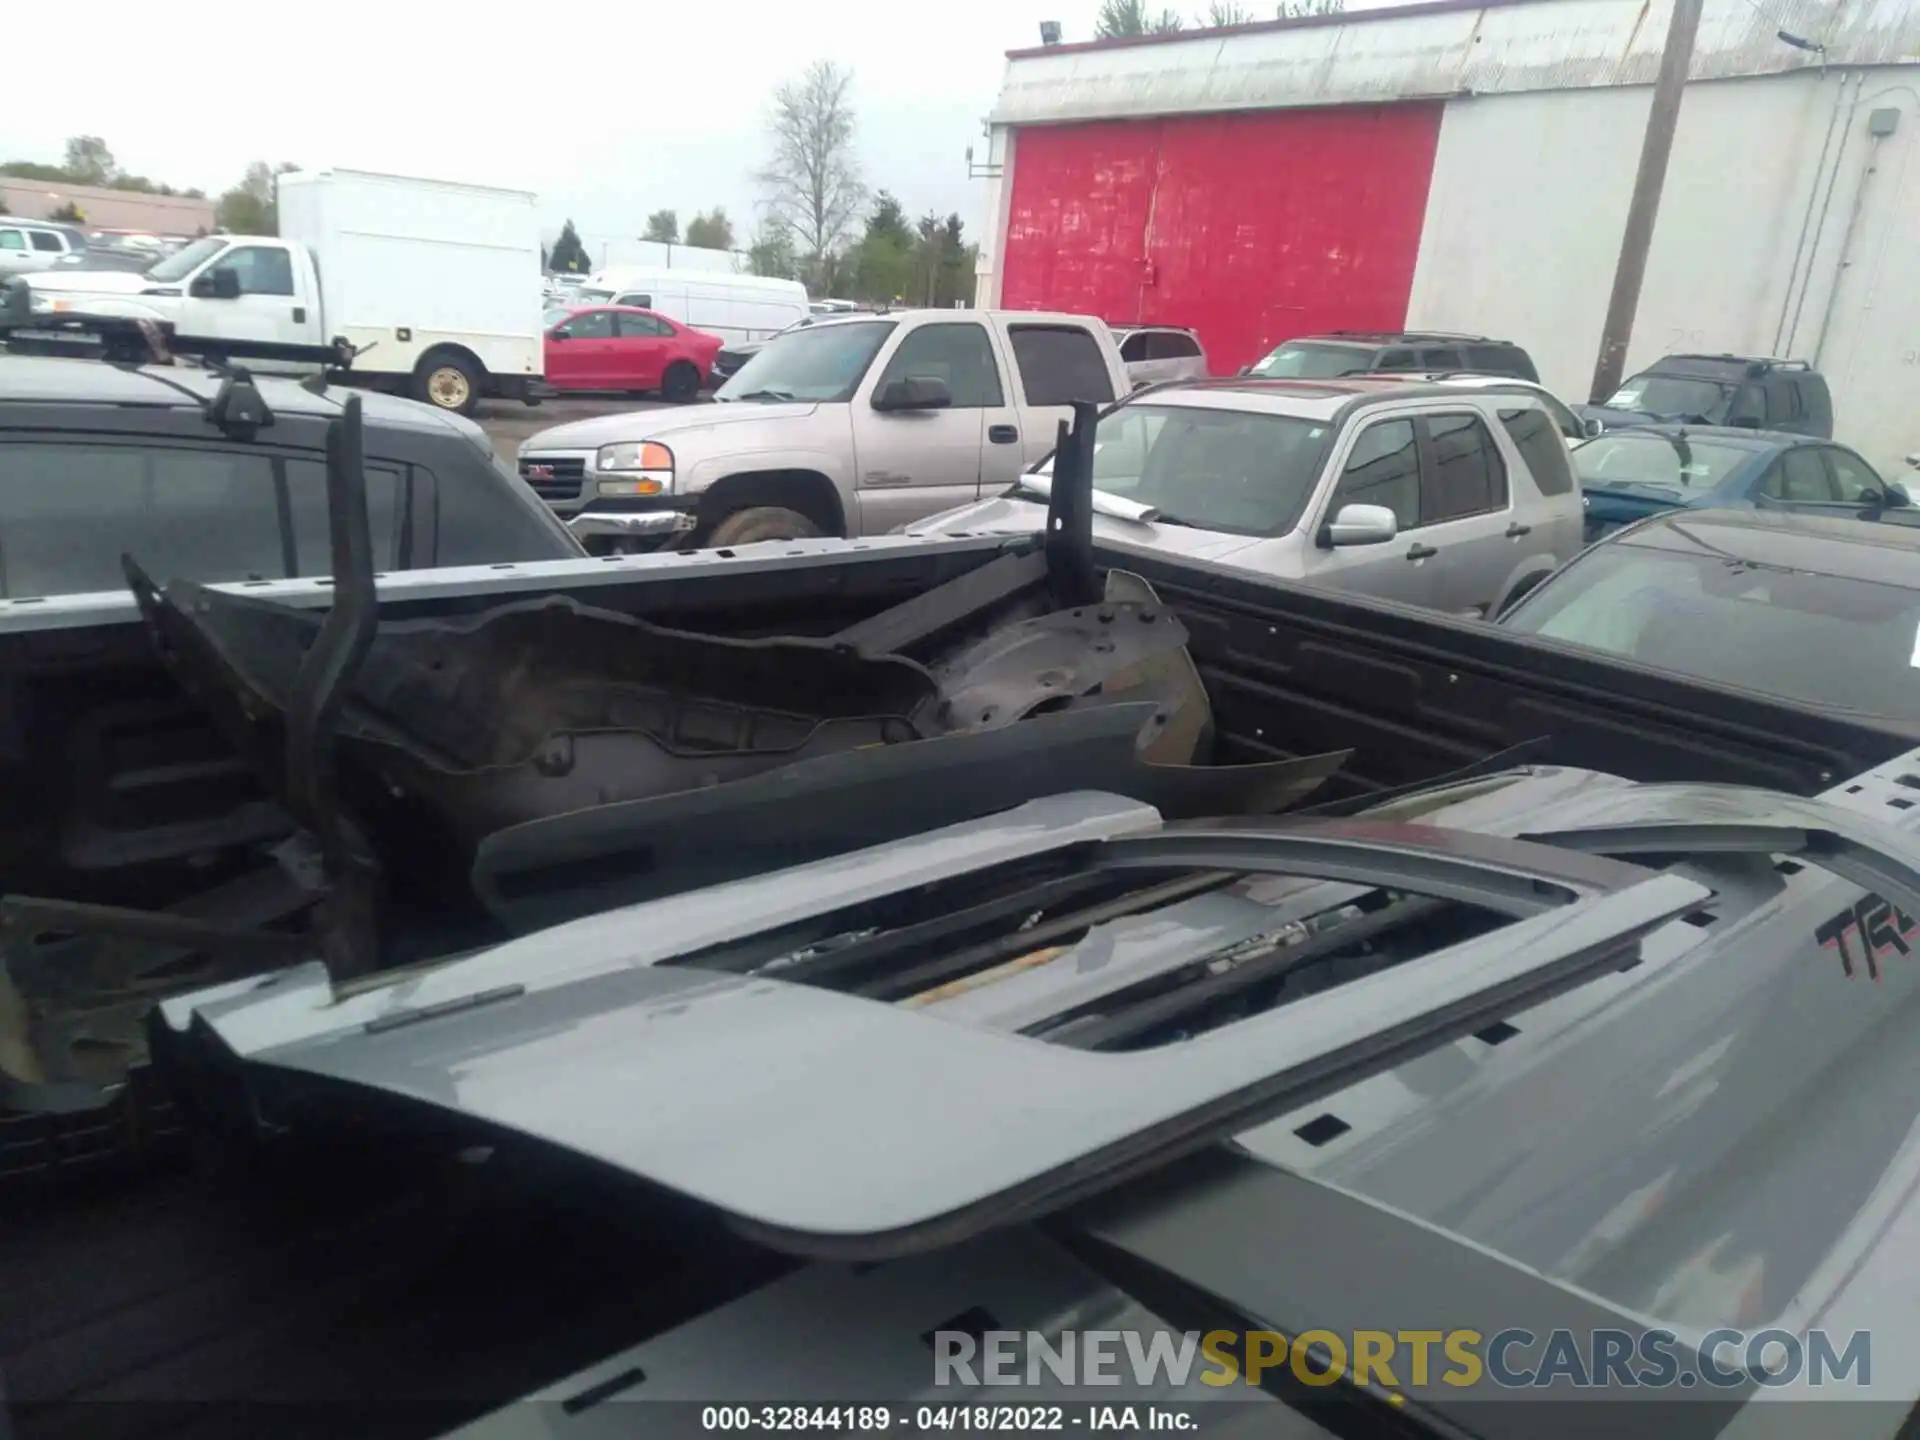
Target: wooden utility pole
(1644,208)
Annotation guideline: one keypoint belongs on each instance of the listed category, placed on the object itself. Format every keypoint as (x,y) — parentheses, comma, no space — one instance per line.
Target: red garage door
(1251,228)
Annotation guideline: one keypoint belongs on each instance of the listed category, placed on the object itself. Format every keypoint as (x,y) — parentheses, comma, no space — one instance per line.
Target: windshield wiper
(761,395)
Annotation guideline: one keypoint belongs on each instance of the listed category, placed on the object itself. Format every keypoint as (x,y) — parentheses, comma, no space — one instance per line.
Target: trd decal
(1868,929)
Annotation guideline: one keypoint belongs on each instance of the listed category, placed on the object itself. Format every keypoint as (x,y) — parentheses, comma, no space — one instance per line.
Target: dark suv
(1752,393)
(99,459)
(1356,352)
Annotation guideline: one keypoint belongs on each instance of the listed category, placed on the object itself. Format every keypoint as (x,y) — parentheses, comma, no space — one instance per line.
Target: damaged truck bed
(378,772)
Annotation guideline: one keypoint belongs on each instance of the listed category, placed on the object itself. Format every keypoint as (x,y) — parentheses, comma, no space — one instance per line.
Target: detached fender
(1522,579)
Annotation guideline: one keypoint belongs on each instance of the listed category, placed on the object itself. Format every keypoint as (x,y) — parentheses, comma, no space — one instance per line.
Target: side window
(1060,364)
(1468,476)
(263,270)
(1134,347)
(1540,444)
(307,502)
(12,240)
(70,510)
(1383,468)
(1749,403)
(1171,345)
(1500,360)
(1397,360)
(46,240)
(1782,400)
(1443,358)
(644,302)
(1853,479)
(959,354)
(1799,478)
(590,325)
(644,325)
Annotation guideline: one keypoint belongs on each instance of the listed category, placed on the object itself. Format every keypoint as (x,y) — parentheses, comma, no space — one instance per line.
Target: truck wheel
(680,384)
(762,522)
(448,382)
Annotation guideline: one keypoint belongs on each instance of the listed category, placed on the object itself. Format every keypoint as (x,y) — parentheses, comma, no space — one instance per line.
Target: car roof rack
(1756,364)
(237,409)
(1413,335)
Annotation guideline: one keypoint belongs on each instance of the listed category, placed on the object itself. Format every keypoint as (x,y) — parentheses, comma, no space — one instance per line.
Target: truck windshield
(820,363)
(183,263)
(1825,640)
(1231,470)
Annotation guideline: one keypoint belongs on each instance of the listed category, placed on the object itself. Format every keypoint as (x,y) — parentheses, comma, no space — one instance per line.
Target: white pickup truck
(430,283)
(844,427)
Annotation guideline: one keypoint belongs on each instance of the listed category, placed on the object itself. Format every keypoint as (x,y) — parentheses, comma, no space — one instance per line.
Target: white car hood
(90,282)
(1013,515)
(658,424)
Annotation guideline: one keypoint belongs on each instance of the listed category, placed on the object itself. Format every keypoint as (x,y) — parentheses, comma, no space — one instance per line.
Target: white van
(737,308)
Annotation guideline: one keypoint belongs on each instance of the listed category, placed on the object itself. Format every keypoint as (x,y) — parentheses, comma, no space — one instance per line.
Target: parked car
(27,245)
(851,426)
(1809,607)
(1641,470)
(622,347)
(737,308)
(102,460)
(1155,353)
(1355,352)
(1438,495)
(735,354)
(1754,394)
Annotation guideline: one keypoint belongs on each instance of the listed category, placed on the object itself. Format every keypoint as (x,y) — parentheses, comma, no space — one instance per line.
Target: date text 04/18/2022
(946,1419)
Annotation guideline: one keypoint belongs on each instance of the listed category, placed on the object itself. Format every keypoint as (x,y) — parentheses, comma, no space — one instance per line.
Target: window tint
(1383,468)
(647,325)
(1749,403)
(1541,445)
(1398,360)
(70,510)
(46,240)
(1783,400)
(307,506)
(1853,478)
(1799,477)
(484,515)
(1443,358)
(590,325)
(959,355)
(12,240)
(1134,347)
(1500,360)
(1171,345)
(1468,476)
(1060,364)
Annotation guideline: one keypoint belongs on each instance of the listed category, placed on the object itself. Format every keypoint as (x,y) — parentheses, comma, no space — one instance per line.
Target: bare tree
(811,183)
(1227,12)
(1305,9)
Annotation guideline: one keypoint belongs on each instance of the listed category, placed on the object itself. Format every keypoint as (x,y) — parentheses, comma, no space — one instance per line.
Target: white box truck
(432,286)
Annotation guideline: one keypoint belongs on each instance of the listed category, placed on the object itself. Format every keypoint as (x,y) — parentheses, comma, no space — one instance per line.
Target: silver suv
(1447,496)
(1157,353)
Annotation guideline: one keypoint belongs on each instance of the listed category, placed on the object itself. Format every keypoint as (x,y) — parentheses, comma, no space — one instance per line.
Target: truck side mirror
(219,283)
(913,392)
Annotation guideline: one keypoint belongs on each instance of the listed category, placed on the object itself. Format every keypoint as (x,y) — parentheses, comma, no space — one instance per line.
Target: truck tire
(448,381)
(680,384)
(762,522)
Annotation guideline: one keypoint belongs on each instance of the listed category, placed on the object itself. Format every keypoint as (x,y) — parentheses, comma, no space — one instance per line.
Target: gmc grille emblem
(540,472)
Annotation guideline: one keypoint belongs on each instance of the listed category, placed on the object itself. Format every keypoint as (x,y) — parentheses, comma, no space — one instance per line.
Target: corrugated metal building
(1467,166)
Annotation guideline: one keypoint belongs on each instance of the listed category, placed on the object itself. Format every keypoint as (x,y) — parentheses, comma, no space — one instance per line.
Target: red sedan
(622,347)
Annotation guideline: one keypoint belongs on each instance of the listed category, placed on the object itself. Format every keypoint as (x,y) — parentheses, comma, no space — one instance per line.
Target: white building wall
(987,273)
(1529,197)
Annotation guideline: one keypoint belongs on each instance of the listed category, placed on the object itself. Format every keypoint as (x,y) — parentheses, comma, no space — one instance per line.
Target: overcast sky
(625,110)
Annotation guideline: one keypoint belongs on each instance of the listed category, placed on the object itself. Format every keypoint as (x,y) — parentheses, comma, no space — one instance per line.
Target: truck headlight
(634,467)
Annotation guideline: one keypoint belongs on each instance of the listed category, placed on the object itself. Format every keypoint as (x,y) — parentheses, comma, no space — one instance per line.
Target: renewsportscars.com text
(1508,1359)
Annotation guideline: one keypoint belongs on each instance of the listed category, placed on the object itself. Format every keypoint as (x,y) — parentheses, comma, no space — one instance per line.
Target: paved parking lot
(507,424)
